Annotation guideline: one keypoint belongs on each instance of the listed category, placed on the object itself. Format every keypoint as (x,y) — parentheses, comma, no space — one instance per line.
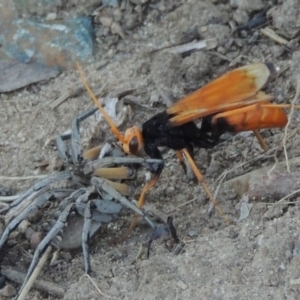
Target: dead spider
(97,199)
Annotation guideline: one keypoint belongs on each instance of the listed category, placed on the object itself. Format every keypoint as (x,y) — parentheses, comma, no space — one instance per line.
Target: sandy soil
(257,258)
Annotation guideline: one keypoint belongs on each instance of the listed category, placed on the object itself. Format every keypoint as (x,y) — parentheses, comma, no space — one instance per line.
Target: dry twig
(289,122)
(42,285)
(193,46)
(23,177)
(94,284)
(25,290)
(273,35)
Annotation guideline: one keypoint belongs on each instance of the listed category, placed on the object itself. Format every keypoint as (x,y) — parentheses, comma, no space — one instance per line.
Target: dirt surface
(257,258)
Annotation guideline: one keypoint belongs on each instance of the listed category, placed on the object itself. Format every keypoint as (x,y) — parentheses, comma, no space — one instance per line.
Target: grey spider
(98,199)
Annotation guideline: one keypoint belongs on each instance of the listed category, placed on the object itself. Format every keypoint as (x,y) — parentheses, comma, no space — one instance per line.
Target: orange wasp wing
(235,89)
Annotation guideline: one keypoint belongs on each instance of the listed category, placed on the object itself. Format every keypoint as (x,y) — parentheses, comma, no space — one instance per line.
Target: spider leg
(36,188)
(48,239)
(99,212)
(88,215)
(85,197)
(57,193)
(75,149)
(62,150)
(15,211)
(102,184)
(93,153)
(122,188)
(91,166)
(38,203)
(118,173)
(74,136)
(60,194)
(72,198)
(99,168)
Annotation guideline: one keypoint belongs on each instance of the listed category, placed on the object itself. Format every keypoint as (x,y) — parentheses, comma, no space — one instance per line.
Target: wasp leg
(201,179)
(140,204)
(181,161)
(261,141)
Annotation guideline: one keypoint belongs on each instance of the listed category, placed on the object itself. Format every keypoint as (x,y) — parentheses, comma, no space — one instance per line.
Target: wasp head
(133,140)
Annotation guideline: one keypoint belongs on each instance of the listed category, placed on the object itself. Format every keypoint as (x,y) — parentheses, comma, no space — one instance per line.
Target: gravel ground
(257,258)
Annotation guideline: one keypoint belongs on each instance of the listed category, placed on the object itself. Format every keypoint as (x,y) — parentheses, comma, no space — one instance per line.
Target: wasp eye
(133,145)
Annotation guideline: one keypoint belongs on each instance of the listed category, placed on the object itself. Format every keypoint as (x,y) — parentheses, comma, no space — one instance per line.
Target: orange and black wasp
(233,102)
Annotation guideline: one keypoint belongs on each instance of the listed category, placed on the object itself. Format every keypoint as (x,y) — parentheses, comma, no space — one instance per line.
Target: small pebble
(117,29)
(23,226)
(213,168)
(29,232)
(182,285)
(112,3)
(51,16)
(192,233)
(106,21)
(35,239)
(8,291)
(5,191)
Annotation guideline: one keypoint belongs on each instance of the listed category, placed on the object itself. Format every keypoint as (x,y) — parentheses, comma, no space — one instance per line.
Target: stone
(52,42)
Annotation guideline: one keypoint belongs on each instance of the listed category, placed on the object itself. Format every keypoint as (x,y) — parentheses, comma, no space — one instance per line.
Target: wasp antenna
(113,127)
